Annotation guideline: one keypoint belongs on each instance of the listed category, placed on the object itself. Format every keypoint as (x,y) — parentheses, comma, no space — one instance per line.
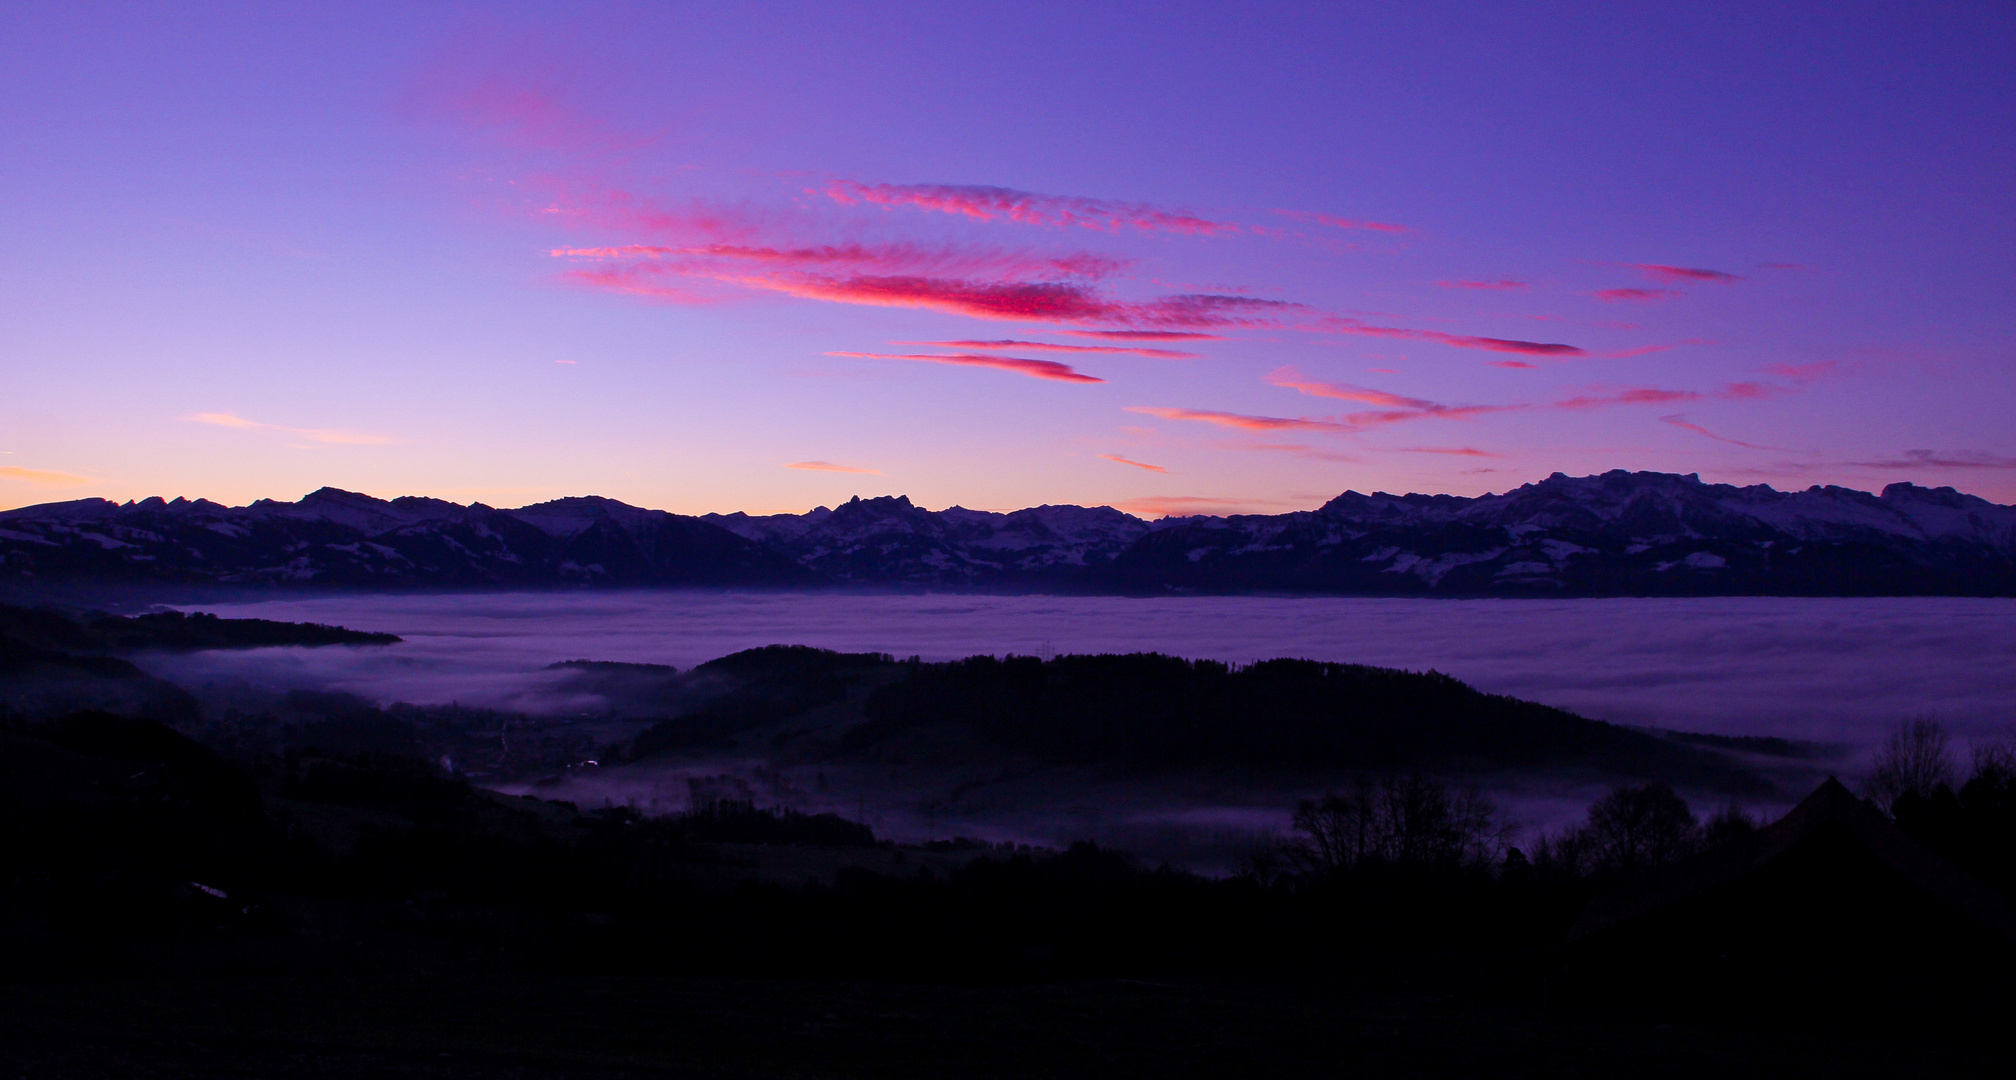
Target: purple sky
(1168,257)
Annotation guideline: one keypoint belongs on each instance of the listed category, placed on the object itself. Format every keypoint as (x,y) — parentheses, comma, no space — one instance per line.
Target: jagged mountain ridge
(342,539)
(1618,533)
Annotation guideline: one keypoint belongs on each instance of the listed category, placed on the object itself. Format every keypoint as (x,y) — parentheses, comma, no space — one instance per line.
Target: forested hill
(1145,713)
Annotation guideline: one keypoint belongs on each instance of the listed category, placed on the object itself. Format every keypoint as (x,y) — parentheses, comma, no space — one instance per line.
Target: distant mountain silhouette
(340,538)
(1616,534)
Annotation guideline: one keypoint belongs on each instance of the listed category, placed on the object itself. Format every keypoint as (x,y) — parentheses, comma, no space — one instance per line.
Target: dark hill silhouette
(1145,712)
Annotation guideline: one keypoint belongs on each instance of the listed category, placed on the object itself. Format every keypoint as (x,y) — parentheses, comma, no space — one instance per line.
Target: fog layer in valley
(1829,670)
(1839,672)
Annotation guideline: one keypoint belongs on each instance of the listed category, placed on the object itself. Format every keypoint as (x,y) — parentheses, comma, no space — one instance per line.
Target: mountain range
(1618,533)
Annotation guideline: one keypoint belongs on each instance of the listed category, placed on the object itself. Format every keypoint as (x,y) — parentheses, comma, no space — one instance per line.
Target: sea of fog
(1840,671)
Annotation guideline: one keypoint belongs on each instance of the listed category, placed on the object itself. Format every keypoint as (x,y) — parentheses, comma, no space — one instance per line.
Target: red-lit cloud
(827,466)
(1337,324)
(1342,223)
(1492,285)
(1397,408)
(1679,420)
(1241,421)
(1633,296)
(1136,464)
(1160,354)
(1292,379)
(1639,395)
(1515,365)
(1684,274)
(983,203)
(1457,451)
(1036,369)
(1144,335)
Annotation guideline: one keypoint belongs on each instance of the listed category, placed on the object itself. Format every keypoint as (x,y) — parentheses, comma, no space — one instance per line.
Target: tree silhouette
(1636,829)
(1912,761)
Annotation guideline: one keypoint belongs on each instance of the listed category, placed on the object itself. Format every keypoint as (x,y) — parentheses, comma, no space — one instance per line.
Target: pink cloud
(1337,324)
(1637,296)
(1643,395)
(1047,301)
(1684,274)
(1241,421)
(827,466)
(1342,223)
(984,203)
(1185,505)
(1516,365)
(1679,420)
(1646,350)
(44,477)
(1293,379)
(1458,451)
(331,436)
(1493,285)
(1949,459)
(1136,464)
(1161,354)
(1144,335)
(1035,369)
(1818,370)
(1749,391)
(710,260)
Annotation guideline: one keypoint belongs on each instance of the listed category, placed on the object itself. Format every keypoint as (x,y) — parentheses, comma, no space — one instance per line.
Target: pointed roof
(1831,804)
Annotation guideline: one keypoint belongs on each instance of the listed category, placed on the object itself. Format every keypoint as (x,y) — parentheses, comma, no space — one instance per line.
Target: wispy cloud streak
(1144,335)
(1397,407)
(827,466)
(1136,464)
(1684,274)
(1046,346)
(1636,395)
(1038,369)
(1343,223)
(1632,296)
(1943,459)
(985,203)
(1679,420)
(1242,421)
(43,477)
(1337,324)
(333,436)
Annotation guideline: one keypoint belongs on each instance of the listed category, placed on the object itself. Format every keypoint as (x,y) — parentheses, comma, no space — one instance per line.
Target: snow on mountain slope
(1610,534)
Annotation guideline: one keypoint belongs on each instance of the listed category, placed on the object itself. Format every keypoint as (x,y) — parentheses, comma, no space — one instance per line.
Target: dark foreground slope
(1617,534)
(170,913)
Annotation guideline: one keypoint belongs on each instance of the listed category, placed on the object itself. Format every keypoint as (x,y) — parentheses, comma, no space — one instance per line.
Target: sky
(1169,257)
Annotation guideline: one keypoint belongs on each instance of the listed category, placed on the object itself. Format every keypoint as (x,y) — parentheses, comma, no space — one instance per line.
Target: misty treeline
(1968,816)
(1422,823)
(173,631)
